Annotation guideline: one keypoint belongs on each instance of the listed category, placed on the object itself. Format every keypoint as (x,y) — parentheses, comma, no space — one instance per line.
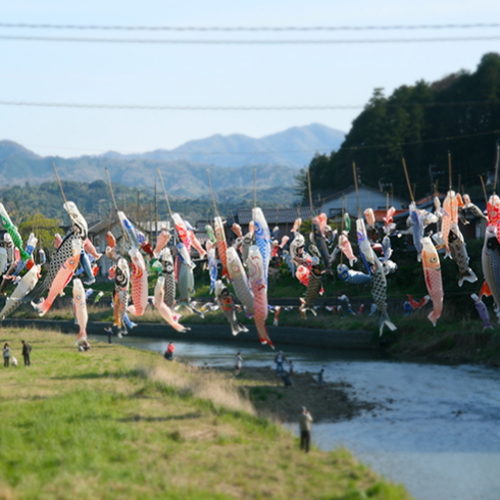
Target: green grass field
(121,423)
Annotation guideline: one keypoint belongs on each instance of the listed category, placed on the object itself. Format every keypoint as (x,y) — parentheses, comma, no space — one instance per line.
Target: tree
(422,122)
(43,228)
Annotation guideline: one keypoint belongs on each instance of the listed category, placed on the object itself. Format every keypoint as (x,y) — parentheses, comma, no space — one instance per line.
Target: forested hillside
(95,203)
(459,114)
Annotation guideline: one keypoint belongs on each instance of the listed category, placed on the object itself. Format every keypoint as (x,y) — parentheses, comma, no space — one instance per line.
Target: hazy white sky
(212,75)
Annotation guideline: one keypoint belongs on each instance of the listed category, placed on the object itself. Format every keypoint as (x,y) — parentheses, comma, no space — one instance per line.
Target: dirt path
(332,401)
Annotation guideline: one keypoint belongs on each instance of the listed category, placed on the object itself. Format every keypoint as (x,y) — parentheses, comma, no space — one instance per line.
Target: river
(438,432)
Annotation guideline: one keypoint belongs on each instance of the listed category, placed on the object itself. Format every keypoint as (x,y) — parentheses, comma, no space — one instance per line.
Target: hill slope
(184,169)
(293,148)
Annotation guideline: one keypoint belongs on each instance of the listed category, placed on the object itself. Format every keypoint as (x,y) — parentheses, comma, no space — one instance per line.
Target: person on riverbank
(279,360)
(305,426)
(6,355)
(287,379)
(26,353)
(321,376)
(238,365)
(169,353)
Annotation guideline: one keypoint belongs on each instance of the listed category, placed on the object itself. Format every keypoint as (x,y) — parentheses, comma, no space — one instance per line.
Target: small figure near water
(287,380)
(238,364)
(169,353)
(321,378)
(279,360)
(305,426)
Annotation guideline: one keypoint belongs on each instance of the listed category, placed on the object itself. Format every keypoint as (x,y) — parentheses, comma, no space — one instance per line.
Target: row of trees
(459,114)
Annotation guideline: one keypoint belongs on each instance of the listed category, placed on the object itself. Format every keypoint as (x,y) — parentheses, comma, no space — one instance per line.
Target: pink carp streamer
(161,242)
(80,308)
(450,217)
(57,240)
(433,280)
(296,225)
(493,214)
(196,244)
(89,247)
(110,239)
(61,279)
(322,222)
(346,248)
(182,230)
(259,288)
(302,274)
(139,283)
(165,311)
(369,217)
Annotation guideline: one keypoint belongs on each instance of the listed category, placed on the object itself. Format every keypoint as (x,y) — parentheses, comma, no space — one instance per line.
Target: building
(353,202)
(281,217)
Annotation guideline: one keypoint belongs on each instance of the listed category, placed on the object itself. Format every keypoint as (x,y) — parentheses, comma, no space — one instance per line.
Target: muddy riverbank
(328,402)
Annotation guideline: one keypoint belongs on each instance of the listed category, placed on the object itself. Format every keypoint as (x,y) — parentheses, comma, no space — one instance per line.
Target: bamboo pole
(405,168)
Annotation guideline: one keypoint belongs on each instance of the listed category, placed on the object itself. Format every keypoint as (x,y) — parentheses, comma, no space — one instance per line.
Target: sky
(214,75)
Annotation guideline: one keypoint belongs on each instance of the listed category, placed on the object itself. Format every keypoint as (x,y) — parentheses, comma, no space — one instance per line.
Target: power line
(172,41)
(161,107)
(394,27)
(171,107)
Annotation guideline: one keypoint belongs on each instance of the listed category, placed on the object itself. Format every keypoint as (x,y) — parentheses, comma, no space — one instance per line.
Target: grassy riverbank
(452,341)
(121,423)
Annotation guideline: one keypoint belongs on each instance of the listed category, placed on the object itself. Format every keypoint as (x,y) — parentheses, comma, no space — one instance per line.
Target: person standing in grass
(6,355)
(26,353)
(305,425)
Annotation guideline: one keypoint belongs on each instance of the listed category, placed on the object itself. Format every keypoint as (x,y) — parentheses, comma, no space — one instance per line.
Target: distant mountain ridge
(275,160)
(293,147)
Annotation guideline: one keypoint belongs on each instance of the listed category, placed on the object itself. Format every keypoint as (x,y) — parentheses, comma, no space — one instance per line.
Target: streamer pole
(496,168)
(405,168)
(110,187)
(449,172)
(355,177)
(167,201)
(58,179)
(212,192)
(165,195)
(484,189)
(309,189)
(254,188)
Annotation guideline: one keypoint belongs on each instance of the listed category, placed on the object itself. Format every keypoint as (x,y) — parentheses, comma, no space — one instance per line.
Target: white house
(352,202)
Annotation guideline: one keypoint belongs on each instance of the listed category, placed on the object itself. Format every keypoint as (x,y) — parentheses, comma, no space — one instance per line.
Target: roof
(104,224)
(107,224)
(352,189)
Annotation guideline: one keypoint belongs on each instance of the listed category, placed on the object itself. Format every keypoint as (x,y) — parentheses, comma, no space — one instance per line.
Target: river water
(438,428)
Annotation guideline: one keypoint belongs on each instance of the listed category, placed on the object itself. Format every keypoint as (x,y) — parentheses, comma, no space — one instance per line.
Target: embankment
(116,422)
